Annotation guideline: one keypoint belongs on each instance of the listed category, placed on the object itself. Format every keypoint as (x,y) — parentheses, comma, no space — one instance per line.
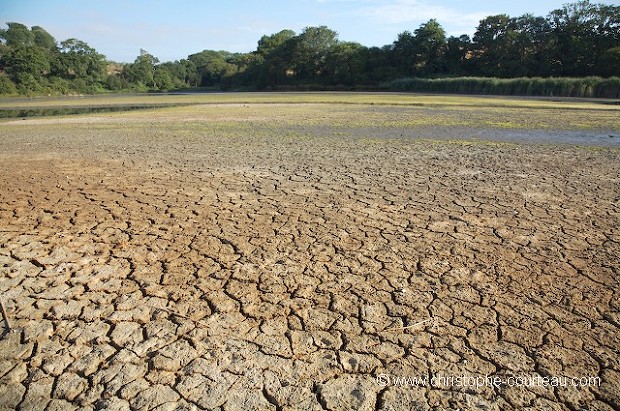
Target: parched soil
(247,266)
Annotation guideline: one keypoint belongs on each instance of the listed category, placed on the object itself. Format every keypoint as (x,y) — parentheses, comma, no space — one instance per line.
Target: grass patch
(302,116)
(381,99)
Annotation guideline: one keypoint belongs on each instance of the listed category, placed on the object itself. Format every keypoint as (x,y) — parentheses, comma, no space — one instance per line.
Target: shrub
(7,87)
(28,85)
(523,86)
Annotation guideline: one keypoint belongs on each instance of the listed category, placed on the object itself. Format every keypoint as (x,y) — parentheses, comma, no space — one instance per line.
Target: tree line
(578,40)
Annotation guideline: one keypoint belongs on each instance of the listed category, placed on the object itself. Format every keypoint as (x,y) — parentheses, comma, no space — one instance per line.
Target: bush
(608,88)
(59,85)
(7,87)
(28,85)
(523,86)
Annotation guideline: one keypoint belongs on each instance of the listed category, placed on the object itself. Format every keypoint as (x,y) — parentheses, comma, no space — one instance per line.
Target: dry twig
(5,317)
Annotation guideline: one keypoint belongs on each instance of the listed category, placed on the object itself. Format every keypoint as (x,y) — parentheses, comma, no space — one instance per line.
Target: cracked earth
(203,271)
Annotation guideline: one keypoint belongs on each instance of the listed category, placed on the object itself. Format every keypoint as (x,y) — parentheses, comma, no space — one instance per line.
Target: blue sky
(171,30)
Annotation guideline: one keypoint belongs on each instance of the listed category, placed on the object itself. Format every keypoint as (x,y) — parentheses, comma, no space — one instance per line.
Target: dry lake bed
(310,252)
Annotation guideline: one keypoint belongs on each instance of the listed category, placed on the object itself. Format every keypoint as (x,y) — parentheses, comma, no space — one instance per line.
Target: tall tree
(31,61)
(43,39)
(272,62)
(270,44)
(77,60)
(345,63)
(17,35)
(212,66)
(430,46)
(583,33)
(311,49)
(404,53)
(142,70)
(379,64)
(490,41)
(457,54)
(530,47)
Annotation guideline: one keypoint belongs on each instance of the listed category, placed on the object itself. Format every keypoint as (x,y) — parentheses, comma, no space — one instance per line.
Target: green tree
(163,78)
(29,85)
(430,46)
(270,44)
(511,47)
(345,63)
(491,29)
(272,62)
(529,47)
(192,77)
(310,52)
(77,60)
(5,52)
(490,40)
(31,61)
(380,64)
(177,72)
(17,35)
(583,33)
(609,63)
(213,65)
(142,71)
(7,87)
(404,53)
(457,55)
(43,39)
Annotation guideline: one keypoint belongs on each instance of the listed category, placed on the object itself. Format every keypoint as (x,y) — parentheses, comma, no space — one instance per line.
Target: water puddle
(578,137)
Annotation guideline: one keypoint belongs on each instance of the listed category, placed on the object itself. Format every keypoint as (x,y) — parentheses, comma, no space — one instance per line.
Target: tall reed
(523,86)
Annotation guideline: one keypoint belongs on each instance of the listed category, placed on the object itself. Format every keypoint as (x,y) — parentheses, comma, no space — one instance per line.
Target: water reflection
(64,111)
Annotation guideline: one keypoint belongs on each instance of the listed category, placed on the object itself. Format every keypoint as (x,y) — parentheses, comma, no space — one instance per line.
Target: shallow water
(602,138)
(606,138)
(64,111)
(578,137)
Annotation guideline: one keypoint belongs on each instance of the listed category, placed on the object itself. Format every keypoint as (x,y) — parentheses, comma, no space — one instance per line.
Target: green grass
(397,99)
(298,113)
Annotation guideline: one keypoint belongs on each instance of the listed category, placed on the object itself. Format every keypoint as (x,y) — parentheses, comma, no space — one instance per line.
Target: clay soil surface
(311,252)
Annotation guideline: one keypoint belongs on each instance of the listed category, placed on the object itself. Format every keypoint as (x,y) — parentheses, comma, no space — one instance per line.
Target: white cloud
(394,12)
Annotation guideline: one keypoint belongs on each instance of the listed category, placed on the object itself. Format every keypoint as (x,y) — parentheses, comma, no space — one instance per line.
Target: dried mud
(154,268)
